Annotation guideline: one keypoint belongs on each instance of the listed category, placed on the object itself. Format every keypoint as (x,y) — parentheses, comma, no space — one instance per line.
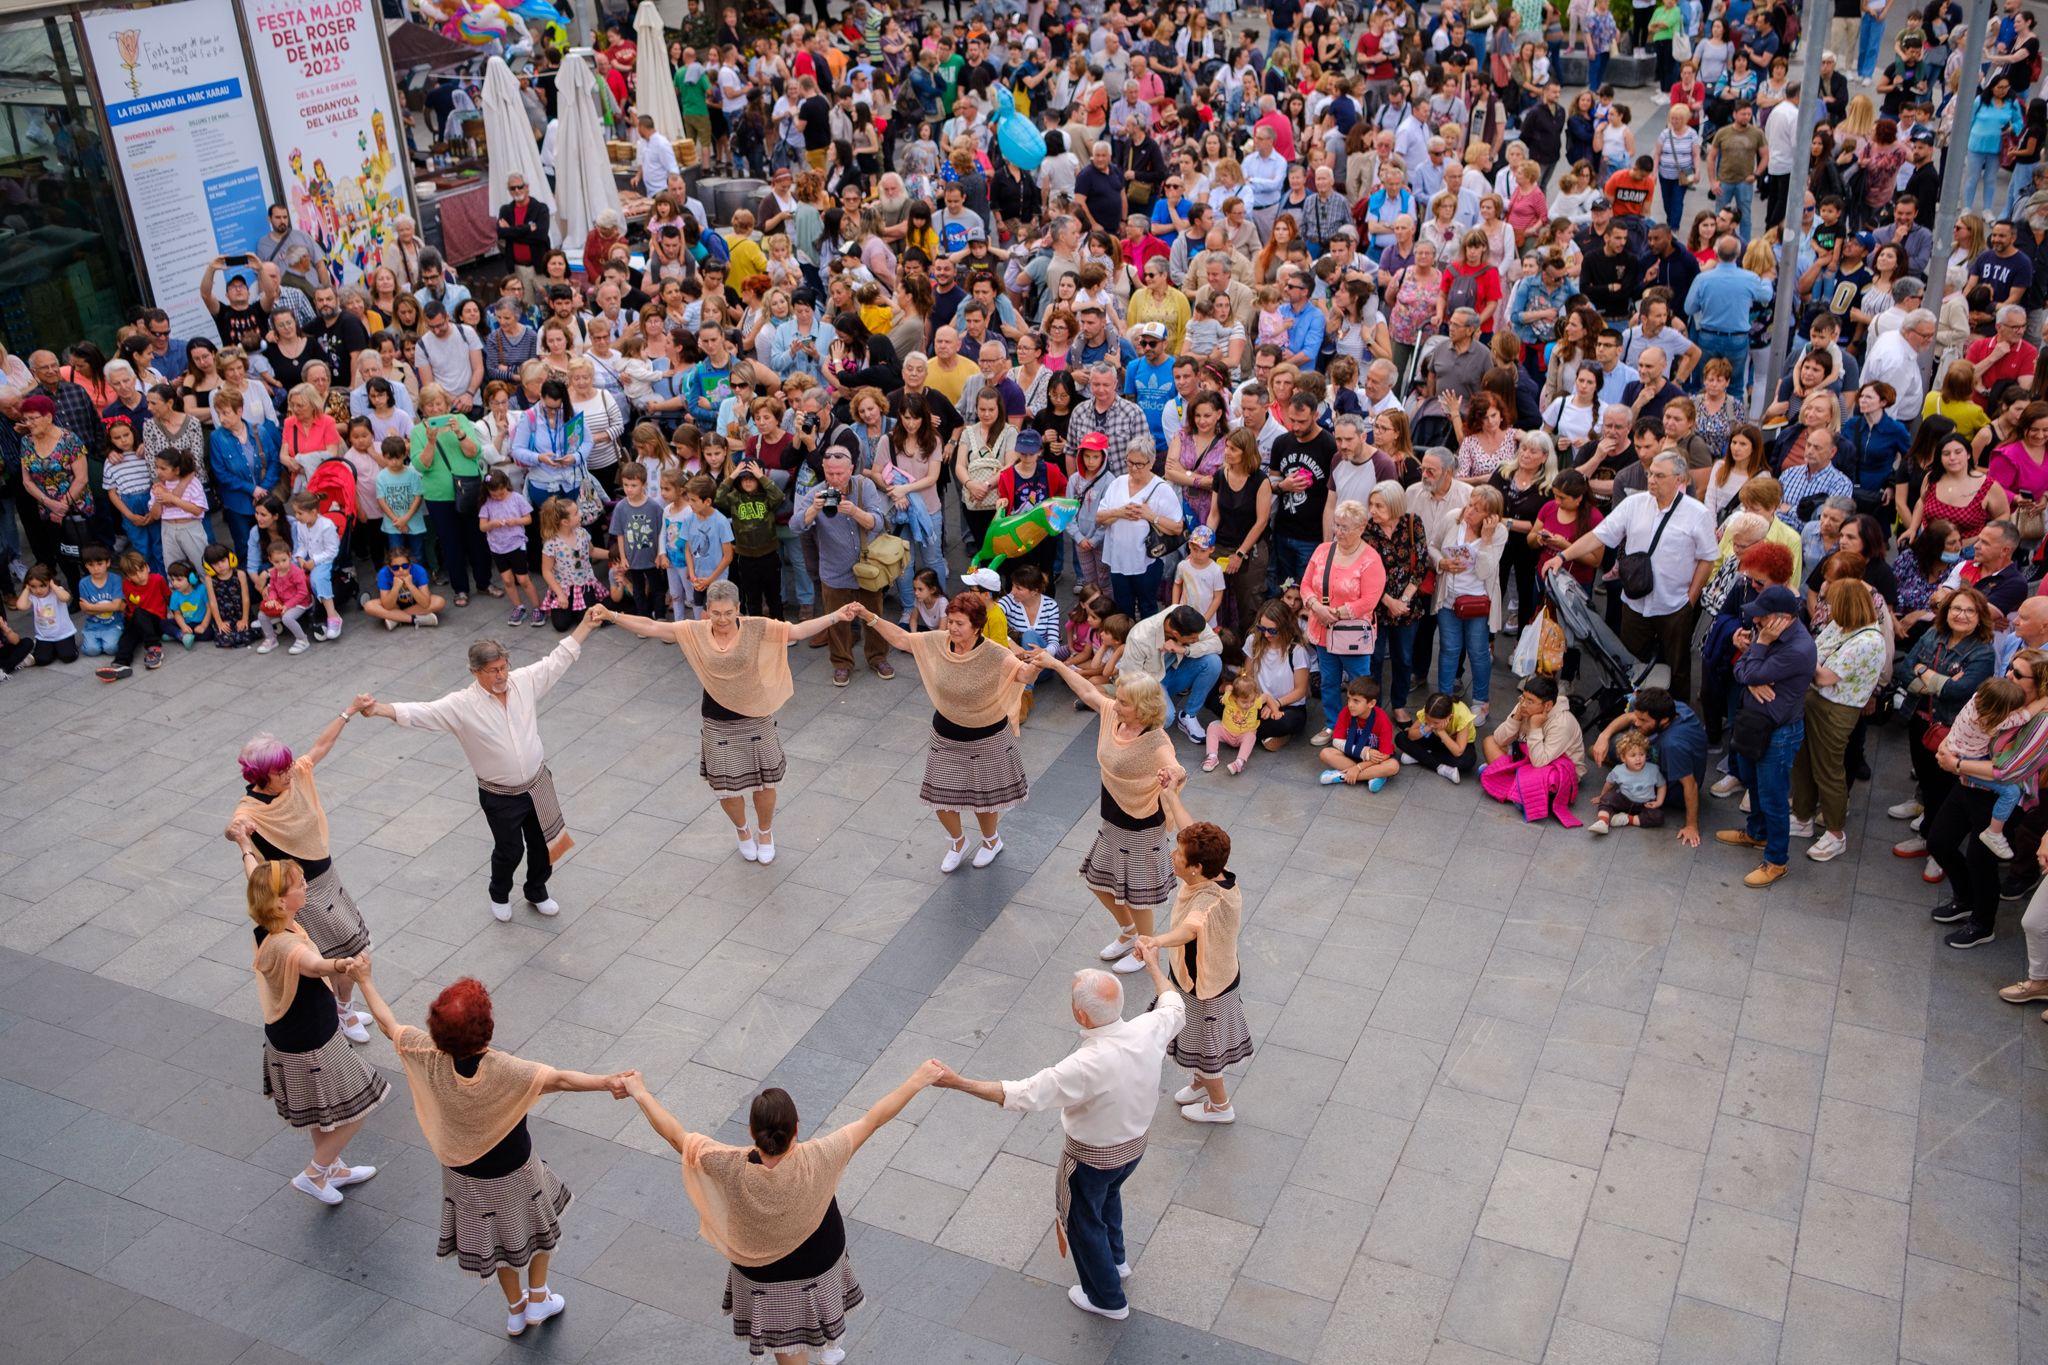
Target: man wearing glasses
(1305,322)
(1894,358)
(523,229)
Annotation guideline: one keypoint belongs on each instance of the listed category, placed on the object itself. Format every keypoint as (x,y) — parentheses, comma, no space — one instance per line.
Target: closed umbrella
(655,93)
(584,186)
(513,151)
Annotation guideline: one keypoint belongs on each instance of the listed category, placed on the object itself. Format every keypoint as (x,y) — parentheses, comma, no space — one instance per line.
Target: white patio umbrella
(655,92)
(584,186)
(513,150)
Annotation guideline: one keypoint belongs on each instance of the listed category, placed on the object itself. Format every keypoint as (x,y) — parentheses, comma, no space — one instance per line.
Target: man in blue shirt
(1718,304)
(1305,322)
(1148,380)
(1678,746)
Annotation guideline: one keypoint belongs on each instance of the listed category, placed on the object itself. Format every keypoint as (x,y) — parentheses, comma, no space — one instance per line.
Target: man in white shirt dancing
(495,720)
(1106,1090)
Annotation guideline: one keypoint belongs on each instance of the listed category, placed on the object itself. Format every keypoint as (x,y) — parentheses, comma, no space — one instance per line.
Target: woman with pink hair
(280,817)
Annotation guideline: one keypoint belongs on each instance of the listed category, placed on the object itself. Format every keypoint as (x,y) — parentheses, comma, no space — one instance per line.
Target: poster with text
(177,98)
(321,68)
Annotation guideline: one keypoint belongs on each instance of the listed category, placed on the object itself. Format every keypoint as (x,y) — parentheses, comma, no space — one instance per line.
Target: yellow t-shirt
(748,260)
(878,318)
(1968,417)
(951,380)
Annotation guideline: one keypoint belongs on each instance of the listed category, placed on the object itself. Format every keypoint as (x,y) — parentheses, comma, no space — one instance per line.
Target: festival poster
(320,65)
(177,99)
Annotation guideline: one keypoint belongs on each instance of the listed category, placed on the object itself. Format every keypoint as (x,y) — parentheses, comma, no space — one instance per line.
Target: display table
(466,221)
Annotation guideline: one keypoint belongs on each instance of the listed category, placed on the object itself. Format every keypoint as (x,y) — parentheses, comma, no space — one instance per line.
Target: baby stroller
(334,483)
(1617,673)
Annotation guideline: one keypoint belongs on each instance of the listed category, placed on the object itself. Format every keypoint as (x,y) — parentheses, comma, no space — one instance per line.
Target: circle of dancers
(770,1207)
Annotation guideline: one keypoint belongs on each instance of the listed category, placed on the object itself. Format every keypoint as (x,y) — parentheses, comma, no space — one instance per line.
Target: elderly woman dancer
(976,687)
(772,1210)
(1206,917)
(1129,868)
(314,1077)
(280,817)
(500,1204)
(742,664)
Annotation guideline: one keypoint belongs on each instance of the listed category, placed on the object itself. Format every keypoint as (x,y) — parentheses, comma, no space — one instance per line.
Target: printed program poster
(321,70)
(177,98)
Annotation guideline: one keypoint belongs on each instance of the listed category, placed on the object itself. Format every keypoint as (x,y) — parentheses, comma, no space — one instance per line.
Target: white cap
(988,580)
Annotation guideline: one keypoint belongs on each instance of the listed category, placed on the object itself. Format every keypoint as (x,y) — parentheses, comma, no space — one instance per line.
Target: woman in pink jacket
(1342,587)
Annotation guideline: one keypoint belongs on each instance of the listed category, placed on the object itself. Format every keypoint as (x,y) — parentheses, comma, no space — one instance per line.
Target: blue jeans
(1742,195)
(1136,594)
(1189,683)
(240,524)
(1460,641)
(1769,780)
(1392,664)
(1336,669)
(924,554)
(1733,349)
(148,540)
(1290,560)
(790,545)
(1095,1231)
(1980,180)
(1277,37)
(1596,70)
(1674,203)
(1869,46)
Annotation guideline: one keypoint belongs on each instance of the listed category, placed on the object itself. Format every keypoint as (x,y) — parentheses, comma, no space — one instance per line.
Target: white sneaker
(1910,848)
(501,911)
(298,647)
(1407,760)
(1744,807)
(1801,829)
(1828,847)
(1127,964)
(266,647)
(1194,729)
(539,1312)
(334,627)
(1449,774)
(766,844)
(750,848)
(1904,810)
(1320,737)
(1080,1300)
(426,618)
(1918,821)
(390,624)
(1116,948)
(326,1194)
(1932,873)
(1726,787)
(986,854)
(1189,1093)
(1599,826)
(832,1355)
(1202,1113)
(549,907)
(352,1027)
(955,852)
(1123,1271)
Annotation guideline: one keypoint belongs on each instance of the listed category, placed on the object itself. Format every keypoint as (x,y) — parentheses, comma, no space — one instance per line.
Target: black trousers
(1672,635)
(1430,751)
(143,628)
(649,589)
(759,579)
(515,830)
(1972,868)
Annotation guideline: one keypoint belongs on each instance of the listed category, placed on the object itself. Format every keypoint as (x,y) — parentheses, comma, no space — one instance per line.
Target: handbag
(2008,149)
(589,501)
(1349,638)
(881,561)
(1750,733)
(1159,544)
(1634,570)
(1471,606)
(469,494)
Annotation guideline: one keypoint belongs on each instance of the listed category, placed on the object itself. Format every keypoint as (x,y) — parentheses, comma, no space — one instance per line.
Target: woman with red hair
(280,816)
(500,1204)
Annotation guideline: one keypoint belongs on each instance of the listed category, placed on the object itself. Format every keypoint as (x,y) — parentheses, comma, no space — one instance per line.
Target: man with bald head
(995,377)
(1106,1090)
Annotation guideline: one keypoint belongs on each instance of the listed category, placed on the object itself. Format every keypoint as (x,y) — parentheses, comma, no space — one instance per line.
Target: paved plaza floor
(1520,1094)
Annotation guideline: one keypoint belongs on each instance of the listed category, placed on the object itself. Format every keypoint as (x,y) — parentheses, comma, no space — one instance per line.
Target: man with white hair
(1106,1090)
(496,721)
(1895,359)
(2006,354)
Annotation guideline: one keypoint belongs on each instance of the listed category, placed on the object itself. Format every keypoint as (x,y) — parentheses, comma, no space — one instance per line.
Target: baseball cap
(1095,440)
(1925,135)
(988,580)
(1772,601)
(1029,442)
(1149,331)
(1601,202)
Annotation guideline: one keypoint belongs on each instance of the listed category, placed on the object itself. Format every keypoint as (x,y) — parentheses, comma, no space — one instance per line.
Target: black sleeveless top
(309,1021)
(512,1150)
(1236,511)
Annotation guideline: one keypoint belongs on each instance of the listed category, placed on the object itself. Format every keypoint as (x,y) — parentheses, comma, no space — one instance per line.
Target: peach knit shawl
(752,678)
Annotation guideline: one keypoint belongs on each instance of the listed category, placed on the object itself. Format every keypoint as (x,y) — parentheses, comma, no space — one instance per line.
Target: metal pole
(1955,167)
(1814,35)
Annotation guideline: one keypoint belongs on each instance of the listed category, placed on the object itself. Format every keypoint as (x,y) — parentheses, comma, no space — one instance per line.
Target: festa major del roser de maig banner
(321,69)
